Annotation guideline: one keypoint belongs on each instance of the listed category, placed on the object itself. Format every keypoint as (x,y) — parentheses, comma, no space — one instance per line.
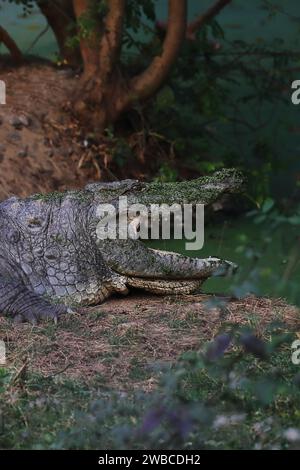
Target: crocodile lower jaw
(162,286)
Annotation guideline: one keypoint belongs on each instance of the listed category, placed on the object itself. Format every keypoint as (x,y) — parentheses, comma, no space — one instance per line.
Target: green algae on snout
(204,190)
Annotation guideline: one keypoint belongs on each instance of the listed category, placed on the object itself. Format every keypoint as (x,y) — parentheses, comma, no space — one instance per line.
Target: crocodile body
(51,259)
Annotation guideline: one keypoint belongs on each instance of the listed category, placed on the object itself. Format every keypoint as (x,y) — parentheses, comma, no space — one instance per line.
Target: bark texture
(61,18)
(14,50)
(104,93)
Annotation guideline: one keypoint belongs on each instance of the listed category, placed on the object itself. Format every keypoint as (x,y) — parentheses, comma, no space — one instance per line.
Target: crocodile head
(156,270)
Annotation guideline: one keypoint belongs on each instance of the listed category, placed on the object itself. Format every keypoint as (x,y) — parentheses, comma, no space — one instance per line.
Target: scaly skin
(51,258)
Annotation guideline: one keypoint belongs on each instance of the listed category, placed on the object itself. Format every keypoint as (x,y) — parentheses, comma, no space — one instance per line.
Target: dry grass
(117,343)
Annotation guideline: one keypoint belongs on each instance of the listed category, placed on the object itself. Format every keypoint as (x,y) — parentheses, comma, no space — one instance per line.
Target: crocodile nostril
(51,255)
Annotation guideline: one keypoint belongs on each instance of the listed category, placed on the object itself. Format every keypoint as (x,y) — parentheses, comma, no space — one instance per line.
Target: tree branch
(15,52)
(213,11)
(112,37)
(60,17)
(89,46)
(146,84)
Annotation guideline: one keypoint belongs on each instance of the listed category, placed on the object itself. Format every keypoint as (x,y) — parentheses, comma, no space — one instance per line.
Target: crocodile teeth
(133,228)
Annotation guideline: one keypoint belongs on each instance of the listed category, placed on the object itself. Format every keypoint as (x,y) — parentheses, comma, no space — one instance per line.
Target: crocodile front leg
(22,304)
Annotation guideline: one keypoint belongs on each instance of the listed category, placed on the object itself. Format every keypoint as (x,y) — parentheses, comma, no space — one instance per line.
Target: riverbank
(154,372)
(123,337)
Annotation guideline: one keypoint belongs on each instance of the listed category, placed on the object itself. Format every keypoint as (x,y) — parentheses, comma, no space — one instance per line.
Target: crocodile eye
(34,223)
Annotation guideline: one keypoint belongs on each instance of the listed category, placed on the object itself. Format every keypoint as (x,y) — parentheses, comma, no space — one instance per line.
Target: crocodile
(52,261)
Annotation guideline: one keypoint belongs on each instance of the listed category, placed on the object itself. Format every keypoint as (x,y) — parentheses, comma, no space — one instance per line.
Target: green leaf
(165,99)
(267,205)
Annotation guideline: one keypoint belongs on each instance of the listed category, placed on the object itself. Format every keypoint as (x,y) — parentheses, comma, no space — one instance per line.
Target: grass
(137,376)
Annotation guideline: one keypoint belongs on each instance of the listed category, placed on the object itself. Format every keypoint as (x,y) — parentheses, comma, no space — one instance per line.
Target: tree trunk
(89,41)
(103,93)
(145,85)
(61,18)
(15,52)
(94,102)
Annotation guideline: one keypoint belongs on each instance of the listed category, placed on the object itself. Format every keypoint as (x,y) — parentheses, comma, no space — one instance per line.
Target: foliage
(208,400)
(270,259)
(240,391)
(208,98)
(26,4)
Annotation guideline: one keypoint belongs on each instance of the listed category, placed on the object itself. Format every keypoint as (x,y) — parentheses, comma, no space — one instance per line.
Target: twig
(44,31)
(198,23)
(20,372)
(58,372)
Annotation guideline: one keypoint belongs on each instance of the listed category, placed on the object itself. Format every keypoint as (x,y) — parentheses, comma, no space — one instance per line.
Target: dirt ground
(118,343)
(41,148)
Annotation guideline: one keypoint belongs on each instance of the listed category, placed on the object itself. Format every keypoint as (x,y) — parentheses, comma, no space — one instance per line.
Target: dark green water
(269,263)
(240,20)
